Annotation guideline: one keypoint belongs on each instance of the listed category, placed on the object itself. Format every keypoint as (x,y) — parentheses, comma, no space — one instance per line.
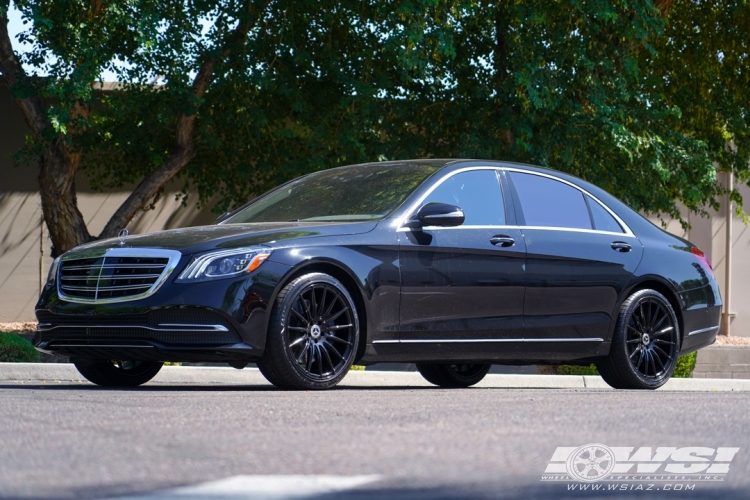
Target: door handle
(621,246)
(502,240)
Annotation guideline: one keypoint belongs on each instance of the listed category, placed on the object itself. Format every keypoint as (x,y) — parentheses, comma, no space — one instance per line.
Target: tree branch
(13,74)
(184,148)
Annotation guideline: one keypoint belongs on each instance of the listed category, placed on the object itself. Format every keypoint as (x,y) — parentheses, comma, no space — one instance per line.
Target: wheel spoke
(303,351)
(307,306)
(313,305)
(320,360)
(664,341)
(299,316)
(298,341)
(664,330)
(297,328)
(338,327)
(337,339)
(328,358)
(332,349)
(310,357)
(651,360)
(335,316)
(663,352)
(633,341)
(322,304)
(635,351)
(663,318)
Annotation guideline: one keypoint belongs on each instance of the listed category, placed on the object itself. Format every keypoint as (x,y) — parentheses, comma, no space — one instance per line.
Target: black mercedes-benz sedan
(454,265)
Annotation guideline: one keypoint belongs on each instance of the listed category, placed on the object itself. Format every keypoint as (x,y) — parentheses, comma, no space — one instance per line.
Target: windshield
(354,193)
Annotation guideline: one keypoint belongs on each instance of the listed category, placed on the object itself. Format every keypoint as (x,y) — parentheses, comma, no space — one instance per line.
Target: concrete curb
(182,375)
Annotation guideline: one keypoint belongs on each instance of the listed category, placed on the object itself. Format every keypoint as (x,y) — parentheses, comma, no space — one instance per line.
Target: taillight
(702,257)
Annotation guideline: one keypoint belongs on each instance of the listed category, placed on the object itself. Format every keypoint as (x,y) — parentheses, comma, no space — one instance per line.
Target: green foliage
(577,370)
(16,349)
(685,365)
(638,103)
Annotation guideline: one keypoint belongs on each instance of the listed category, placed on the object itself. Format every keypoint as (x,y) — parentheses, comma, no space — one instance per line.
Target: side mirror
(222,217)
(438,214)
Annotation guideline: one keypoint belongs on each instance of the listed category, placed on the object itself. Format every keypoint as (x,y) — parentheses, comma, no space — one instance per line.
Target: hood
(204,238)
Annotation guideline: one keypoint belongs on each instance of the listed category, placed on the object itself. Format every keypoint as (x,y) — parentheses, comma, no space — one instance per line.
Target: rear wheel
(645,343)
(114,373)
(313,334)
(453,375)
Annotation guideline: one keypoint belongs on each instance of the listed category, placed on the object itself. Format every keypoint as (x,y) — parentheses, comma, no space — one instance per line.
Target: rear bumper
(701,327)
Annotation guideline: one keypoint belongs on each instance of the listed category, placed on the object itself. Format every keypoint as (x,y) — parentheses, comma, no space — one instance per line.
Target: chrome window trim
(94,253)
(544,228)
(460,341)
(627,231)
(703,330)
(418,203)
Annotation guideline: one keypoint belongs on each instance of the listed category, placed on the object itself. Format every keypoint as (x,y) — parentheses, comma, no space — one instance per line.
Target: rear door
(462,287)
(579,259)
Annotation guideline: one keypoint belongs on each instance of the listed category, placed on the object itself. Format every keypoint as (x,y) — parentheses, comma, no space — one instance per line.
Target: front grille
(113,274)
(110,277)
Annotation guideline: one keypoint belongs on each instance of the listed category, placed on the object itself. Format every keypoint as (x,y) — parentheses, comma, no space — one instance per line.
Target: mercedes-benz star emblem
(122,234)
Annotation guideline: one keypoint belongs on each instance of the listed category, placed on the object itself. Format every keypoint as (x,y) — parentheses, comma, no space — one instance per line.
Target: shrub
(685,365)
(16,349)
(577,370)
(684,368)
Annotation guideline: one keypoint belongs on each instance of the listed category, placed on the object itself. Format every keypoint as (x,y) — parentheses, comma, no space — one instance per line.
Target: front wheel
(313,334)
(114,373)
(645,343)
(453,376)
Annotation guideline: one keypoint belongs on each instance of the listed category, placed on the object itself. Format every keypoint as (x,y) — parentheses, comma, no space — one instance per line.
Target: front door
(462,287)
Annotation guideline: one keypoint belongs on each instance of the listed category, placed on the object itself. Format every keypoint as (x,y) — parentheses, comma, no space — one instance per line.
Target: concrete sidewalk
(52,373)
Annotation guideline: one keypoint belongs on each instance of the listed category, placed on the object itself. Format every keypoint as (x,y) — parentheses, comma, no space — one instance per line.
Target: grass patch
(16,349)
(357,368)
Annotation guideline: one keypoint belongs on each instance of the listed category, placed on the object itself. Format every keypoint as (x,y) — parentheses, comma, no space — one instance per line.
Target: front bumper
(213,321)
(159,335)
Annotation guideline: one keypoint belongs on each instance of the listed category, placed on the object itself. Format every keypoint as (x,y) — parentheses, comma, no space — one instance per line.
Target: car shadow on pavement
(83,386)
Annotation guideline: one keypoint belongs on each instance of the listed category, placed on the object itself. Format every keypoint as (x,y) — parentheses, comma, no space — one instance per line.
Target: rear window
(549,203)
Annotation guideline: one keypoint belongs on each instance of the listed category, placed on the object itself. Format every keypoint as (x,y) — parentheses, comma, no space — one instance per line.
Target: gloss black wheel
(645,343)
(453,375)
(313,335)
(116,373)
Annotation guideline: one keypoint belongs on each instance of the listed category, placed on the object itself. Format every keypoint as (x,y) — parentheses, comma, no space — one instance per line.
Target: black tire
(453,375)
(645,343)
(312,336)
(118,373)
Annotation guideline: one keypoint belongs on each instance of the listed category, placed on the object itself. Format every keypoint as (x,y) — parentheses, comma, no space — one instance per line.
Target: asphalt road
(79,441)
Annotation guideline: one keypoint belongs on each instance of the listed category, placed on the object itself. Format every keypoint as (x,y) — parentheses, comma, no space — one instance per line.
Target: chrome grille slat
(115,275)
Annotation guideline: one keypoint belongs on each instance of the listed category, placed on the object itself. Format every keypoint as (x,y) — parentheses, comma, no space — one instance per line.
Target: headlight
(52,275)
(224,264)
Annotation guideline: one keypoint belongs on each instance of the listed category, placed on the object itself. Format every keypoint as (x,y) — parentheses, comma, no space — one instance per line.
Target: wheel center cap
(646,339)
(315,331)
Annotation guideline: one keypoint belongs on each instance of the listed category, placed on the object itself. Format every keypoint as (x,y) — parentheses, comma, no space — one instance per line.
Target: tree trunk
(67,229)
(57,165)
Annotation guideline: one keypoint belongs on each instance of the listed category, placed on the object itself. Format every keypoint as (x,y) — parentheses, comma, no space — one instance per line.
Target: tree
(641,97)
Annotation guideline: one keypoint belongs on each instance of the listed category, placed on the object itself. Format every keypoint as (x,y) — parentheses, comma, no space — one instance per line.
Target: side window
(478,194)
(550,203)
(603,221)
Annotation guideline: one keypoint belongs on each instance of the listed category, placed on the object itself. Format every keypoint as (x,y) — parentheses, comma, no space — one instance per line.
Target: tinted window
(478,194)
(358,192)
(603,221)
(549,203)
